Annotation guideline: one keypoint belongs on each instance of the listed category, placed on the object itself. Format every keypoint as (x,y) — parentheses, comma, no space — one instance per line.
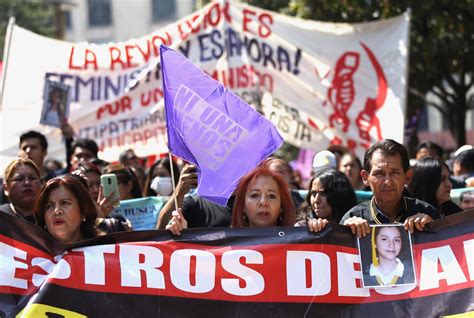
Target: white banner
(319,83)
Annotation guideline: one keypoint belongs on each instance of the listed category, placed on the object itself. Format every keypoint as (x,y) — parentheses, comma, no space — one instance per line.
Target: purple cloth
(212,127)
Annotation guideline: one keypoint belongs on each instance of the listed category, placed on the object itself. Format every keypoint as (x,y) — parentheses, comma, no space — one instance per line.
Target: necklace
(374,214)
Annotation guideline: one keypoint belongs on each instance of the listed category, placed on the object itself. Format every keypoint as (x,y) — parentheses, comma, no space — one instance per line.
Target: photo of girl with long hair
(387,257)
(56,104)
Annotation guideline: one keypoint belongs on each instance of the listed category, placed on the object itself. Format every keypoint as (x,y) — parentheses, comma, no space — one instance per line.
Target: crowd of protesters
(69,202)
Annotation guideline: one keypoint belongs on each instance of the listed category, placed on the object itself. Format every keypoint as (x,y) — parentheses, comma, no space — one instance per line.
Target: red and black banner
(271,272)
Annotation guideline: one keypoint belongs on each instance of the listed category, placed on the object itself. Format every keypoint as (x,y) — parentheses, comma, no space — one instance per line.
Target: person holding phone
(127,181)
(92,175)
(106,200)
(198,211)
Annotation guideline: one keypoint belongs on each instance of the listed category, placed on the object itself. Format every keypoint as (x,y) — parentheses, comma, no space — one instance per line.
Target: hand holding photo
(386,257)
(56,104)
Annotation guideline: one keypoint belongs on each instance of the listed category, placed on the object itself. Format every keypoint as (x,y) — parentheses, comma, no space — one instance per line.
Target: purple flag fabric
(212,127)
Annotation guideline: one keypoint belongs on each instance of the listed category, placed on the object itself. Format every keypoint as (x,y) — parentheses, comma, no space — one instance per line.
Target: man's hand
(177,223)
(417,221)
(317,225)
(358,226)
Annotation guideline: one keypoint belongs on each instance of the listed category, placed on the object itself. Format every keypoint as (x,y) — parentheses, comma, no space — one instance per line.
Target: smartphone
(109,184)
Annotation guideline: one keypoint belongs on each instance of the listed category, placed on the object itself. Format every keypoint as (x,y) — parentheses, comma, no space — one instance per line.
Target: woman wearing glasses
(22,185)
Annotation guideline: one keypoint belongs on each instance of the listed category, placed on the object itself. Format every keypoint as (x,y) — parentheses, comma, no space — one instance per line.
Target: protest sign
(239,272)
(142,212)
(321,83)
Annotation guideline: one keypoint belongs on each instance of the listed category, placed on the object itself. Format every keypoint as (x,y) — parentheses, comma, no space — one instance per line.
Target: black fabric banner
(271,272)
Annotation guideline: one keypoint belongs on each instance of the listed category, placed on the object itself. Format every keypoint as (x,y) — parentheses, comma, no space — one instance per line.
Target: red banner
(286,271)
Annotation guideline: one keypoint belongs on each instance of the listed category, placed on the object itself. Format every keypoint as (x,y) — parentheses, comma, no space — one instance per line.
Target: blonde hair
(10,169)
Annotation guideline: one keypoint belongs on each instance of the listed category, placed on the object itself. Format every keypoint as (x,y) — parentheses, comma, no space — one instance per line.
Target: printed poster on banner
(386,256)
(322,83)
(288,272)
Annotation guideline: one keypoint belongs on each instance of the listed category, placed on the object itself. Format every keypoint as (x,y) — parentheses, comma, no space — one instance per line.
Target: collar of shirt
(385,219)
(386,279)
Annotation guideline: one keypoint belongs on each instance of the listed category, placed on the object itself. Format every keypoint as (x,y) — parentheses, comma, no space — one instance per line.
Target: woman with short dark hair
(66,210)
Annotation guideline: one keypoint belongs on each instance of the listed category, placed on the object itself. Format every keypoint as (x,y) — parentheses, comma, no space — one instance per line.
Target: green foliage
(287,152)
(37,16)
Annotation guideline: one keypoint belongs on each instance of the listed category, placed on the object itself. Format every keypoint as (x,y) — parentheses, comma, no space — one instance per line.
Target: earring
(244,216)
(83,220)
(280,218)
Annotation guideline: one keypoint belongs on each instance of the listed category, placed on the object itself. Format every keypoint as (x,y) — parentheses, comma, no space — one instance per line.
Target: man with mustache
(386,171)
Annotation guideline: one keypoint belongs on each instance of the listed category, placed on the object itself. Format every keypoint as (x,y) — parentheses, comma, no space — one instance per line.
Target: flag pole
(6,54)
(170,156)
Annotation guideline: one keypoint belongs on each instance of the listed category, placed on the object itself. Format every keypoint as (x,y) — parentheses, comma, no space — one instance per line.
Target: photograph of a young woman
(387,257)
(55,109)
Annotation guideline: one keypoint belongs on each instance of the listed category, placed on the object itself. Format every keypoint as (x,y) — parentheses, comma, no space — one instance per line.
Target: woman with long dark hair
(430,183)
(329,197)
(158,180)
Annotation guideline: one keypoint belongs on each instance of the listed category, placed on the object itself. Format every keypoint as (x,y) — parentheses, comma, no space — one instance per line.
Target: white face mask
(162,186)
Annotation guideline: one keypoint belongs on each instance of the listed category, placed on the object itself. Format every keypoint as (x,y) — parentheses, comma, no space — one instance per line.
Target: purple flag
(212,127)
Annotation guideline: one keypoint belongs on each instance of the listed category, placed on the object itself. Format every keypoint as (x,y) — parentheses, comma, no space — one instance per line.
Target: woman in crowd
(351,166)
(387,267)
(127,181)
(22,185)
(262,199)
(158,180)
(91,174)
(66,210)
(430,183)
(330,196)
(282,168)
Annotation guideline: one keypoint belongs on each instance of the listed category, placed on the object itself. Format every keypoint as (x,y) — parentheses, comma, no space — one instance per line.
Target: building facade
(102,21)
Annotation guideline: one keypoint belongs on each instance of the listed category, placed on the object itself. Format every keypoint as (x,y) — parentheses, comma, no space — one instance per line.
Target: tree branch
(420,95)
(443,95)
(450,79)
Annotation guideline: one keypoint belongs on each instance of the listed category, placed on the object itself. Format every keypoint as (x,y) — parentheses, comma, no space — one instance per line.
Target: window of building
(100,13)
(163,10)
(67,20)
